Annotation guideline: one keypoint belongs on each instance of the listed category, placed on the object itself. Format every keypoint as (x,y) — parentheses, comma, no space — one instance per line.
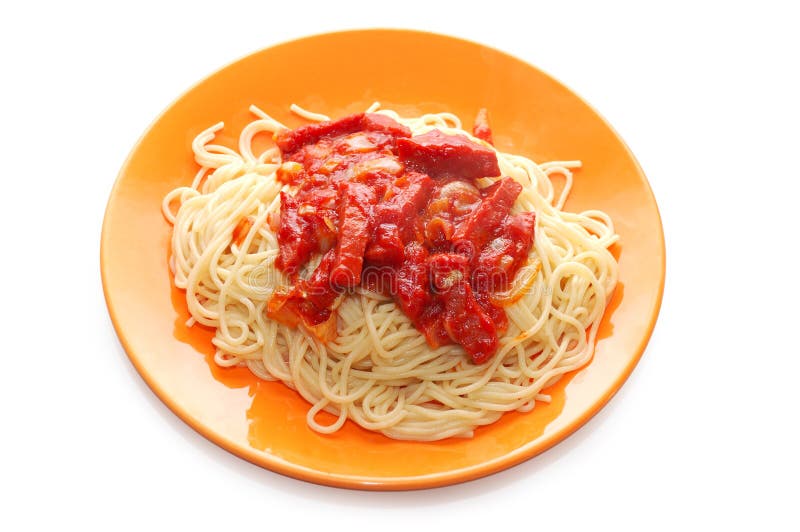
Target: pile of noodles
(379,371)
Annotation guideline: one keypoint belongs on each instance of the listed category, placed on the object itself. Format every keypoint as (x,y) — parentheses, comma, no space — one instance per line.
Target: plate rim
(362,482)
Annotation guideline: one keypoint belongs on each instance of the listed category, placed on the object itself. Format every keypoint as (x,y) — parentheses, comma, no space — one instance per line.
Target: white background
(703,433)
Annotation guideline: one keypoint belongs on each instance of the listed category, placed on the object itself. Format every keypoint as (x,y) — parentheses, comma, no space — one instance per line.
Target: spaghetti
(378,369)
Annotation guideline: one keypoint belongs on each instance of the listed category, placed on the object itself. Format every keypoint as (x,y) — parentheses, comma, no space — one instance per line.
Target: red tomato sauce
(403,215)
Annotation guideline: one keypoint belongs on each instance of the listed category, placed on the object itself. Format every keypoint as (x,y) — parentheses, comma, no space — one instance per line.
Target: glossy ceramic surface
(340,73)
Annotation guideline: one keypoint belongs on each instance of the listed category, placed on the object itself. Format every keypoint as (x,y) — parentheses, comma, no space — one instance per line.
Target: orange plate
(340,73)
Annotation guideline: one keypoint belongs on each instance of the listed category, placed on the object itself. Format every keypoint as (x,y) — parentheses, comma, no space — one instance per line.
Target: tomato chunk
(316,295)
(411,284)
(309,300)
(386,247)
(402,208)
(355,221)
(289,141)
(384,124)
(497,263)
(463,318)
(441,155)
(294,236)
(446,270)
(481,127)
(487,218)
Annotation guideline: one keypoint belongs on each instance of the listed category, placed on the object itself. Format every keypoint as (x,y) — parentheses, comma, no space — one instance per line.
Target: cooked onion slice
(519,287)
